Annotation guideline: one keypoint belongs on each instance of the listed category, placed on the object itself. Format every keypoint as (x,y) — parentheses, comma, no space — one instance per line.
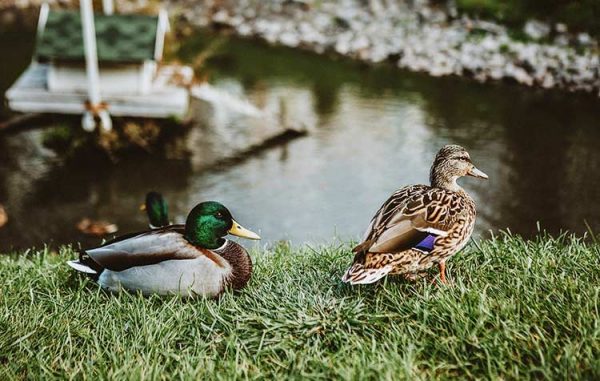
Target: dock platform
(167,96)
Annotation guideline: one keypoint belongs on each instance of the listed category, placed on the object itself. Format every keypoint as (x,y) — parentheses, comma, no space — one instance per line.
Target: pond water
(372,131)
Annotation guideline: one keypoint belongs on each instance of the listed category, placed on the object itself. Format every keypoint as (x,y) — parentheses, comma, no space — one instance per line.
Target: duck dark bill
(240,231)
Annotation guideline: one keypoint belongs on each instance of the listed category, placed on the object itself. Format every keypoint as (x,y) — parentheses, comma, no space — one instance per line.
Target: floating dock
(99,65)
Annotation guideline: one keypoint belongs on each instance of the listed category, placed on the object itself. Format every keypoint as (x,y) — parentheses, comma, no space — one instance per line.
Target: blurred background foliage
(578,15)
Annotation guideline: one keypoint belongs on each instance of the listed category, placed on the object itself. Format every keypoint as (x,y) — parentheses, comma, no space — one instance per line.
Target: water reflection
(374,130)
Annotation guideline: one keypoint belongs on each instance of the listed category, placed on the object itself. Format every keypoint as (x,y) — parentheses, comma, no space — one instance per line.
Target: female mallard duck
(419,225)
(191,259)
(157,210)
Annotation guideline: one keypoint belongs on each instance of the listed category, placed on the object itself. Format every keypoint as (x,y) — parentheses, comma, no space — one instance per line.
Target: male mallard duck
(157,210)
(419,225)
(191,259)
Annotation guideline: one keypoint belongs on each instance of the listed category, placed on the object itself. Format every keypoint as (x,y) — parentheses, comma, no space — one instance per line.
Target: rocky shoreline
(413,36)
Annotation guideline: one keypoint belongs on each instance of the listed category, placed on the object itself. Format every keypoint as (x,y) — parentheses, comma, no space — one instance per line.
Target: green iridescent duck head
(209,222)
(452,162)
(157,210)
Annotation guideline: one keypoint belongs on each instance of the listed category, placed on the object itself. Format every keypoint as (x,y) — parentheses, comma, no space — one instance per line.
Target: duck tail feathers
(81,267)
(86,264)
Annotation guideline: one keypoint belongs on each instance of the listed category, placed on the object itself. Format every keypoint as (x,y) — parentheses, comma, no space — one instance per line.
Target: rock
(290,39)
(518,74)
(561,40)
(490,44)
(221,17)
(560,27)
(244,30)
(342,45)
(584,39)
(536,29)
(359,42)
(547,81)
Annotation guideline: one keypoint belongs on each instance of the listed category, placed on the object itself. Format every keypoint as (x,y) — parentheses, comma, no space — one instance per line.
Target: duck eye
(219,215)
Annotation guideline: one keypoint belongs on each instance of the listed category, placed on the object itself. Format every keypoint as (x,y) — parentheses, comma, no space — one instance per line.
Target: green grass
(518,309)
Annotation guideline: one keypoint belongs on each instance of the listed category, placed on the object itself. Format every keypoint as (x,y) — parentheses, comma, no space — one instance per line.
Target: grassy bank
(517,309)
(579,15)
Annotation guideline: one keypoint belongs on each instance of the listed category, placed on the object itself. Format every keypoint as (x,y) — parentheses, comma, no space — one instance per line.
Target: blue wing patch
(426,244)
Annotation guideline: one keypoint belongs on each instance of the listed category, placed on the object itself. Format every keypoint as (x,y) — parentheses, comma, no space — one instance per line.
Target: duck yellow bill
(143,207)
(477,173)
(240,231)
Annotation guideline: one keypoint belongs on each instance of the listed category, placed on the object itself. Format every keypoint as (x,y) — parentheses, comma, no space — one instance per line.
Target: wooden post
(42,19)
(91,55)
(163,27)
(91,65)
(108,7)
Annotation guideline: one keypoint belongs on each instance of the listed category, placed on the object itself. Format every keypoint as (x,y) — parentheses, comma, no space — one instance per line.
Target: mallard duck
(191,259)
(157,210)
(419,225)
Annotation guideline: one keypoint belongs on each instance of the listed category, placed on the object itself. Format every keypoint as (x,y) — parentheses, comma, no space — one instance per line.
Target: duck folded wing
(144,249)
(405,223)
(406,233)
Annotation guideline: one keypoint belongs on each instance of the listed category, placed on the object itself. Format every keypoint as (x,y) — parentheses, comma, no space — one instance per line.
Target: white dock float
(166,97)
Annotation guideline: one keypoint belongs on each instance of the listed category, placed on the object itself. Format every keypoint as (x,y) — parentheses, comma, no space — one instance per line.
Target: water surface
(373,130)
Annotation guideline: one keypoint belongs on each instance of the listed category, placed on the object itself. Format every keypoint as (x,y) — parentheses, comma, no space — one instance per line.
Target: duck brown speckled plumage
(419,225)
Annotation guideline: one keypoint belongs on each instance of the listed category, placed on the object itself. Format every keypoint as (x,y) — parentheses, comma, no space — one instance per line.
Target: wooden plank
(127,109)
(270,141)
(19,121)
